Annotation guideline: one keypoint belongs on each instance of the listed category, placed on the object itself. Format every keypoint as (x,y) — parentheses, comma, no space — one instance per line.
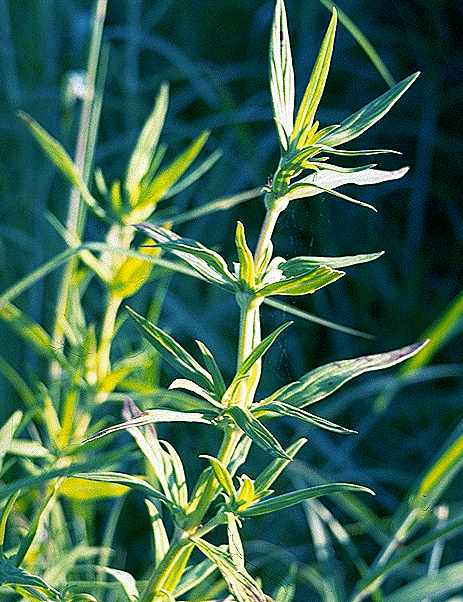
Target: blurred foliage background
(214,54)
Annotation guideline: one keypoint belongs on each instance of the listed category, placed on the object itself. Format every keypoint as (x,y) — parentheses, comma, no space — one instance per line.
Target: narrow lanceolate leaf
(7,433)
(160,539)
(206,262)
(325,380)
(83,491)
(15,576)
(129,481)
(240,583)
(5,513)
(440,474)
(256,431)
(146,144)
(327,180)
(245,257)
(235,545)
(434,586)
(31,332)
(189,385)
(304,284)
(150,417)
(63,161)
(213,369)
(355,153)
(284,409)
(271,473)
(222,475)
(260,350)
(302,190)
(286,500)
(154,191)
(298,265)
(316,85)
(363,119)
(172,352)
(175,474)
(371,581)
(193,576)
(127,581)
(281,75)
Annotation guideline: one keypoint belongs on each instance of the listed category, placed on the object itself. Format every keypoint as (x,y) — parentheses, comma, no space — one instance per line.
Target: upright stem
(75,220)
(249,337)
(107,335)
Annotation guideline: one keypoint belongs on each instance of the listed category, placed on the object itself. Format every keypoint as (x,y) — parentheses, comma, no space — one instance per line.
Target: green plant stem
(107,334)
(266,233)
(249,337)
(75,220)
(162,573)
(38,517)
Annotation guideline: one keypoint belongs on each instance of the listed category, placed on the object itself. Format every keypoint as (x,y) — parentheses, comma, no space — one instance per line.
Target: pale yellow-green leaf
(316,86)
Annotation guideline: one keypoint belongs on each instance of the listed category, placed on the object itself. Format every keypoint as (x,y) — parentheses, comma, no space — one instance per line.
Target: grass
(81,361)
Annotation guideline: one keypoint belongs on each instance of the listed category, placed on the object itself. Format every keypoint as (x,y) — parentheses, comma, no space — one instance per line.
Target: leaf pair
(302,133)
(210,266)
(145,186)
(209,380)
(206,262)
(301,140)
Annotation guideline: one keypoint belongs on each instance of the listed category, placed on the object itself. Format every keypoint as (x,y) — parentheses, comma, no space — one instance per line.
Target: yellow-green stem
(107,335)
(249,337)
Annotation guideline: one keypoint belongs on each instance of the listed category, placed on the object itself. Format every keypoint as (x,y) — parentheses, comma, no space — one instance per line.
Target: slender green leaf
(326,180)
(146,144)
(209,264)
(365,118)
(309,317)
(127,581)
(374,578)
(448,580)
(256,431)
(130,481)
(245,257)
(281,75)
(176,475)
(325,380)
(222,475)
(6,511)
(240,583)
(260,350)
(363,42)
(307,283)
(150,417)
(286,500)
(160,539)
(316,85)
(172,351)
(286,409)
(16,577)
(63,162)
(7,433)
(271,473)
(221,204)
(194,175)
(298,265)
(213,369)
(194,576)
(154,191)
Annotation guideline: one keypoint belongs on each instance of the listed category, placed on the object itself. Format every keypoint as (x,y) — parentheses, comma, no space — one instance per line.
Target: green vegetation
(152,436)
